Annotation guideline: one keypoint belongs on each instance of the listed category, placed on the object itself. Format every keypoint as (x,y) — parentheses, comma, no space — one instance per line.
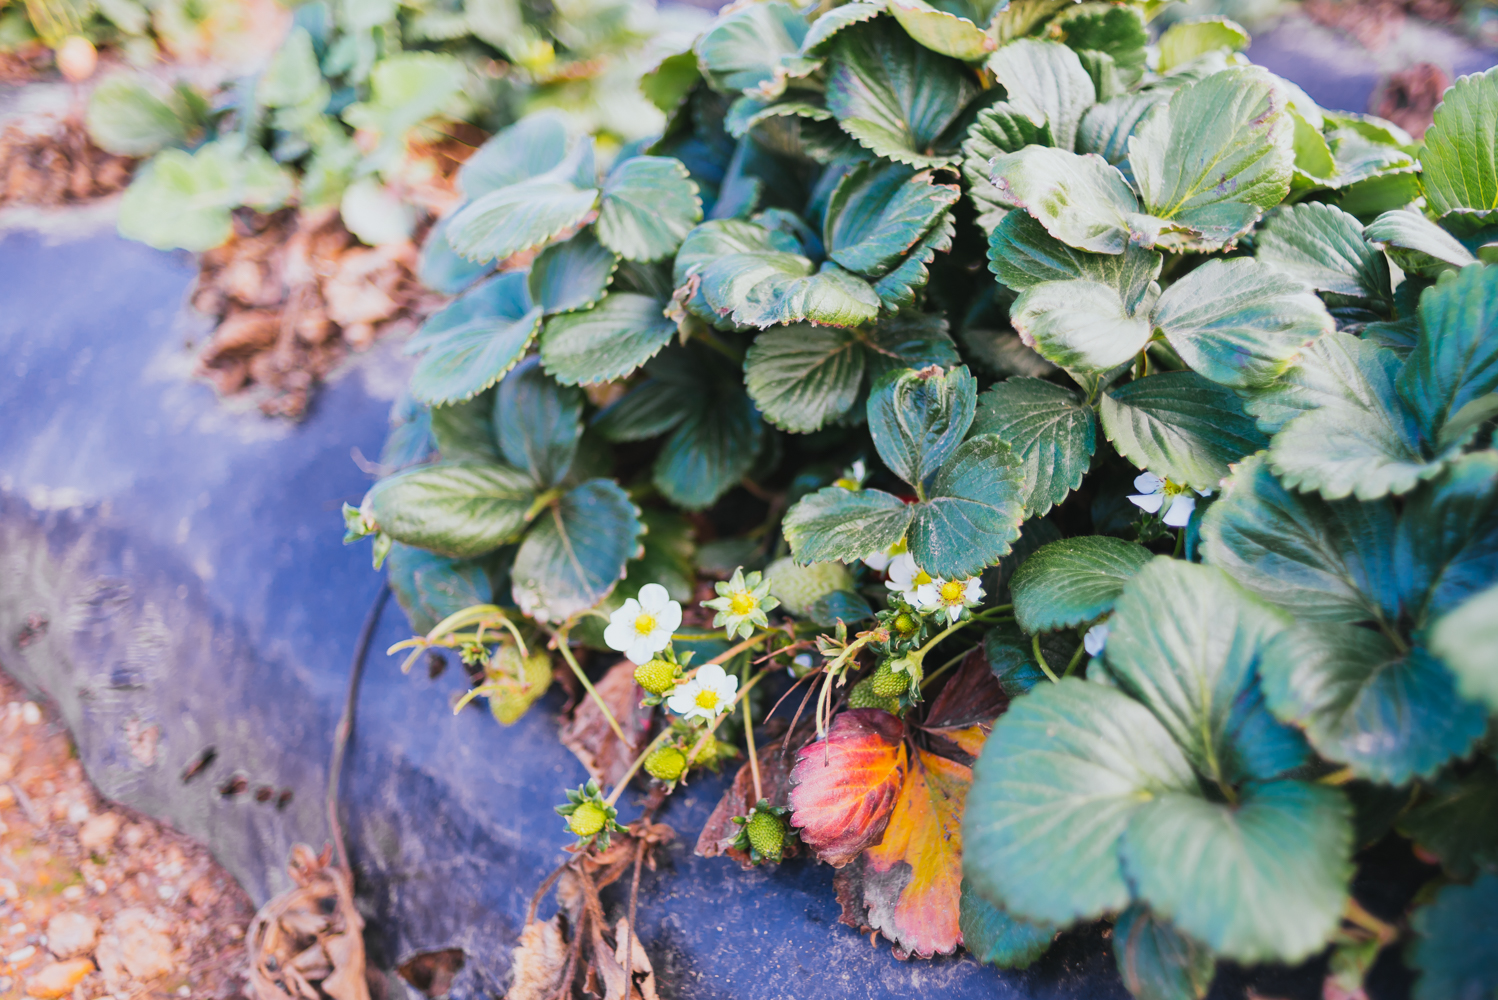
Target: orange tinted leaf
(964,712)
(911,881)
(843,787)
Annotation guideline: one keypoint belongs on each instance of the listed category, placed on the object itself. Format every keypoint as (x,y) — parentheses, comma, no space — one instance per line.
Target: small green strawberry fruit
(657,676)
(587,819)
(766,834)
(886,683)
(707,753)
(906,623)
(799,587)
(667,764)
(863,696)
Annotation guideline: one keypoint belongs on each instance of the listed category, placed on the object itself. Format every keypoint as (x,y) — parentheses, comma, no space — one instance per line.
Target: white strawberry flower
(905,578)
(641,628)
(949,597)
(1154,491)
(1096,638)
(706,695)
(880,561)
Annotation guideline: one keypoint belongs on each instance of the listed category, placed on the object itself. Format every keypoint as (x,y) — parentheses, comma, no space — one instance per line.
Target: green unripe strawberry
(906,623)
(708,752)
(587,819)
(667,764)
(863,696)
(886,683)
(799,587)
(766,834)
(657,676)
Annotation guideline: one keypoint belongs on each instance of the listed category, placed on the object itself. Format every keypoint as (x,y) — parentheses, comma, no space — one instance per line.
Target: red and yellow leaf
(962,715)
(843,788)
(910,883)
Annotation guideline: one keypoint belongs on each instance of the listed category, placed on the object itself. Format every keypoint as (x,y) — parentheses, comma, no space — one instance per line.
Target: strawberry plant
(1102,432)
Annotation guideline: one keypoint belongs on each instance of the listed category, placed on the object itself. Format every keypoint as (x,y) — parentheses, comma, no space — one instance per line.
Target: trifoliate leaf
(1323,246)
(1113,30)
(1452,947)
(537,423)
(972,513)
(184,200)
(1062,772)
(1448,537)
(1455,360)
(458,509)
(528,214)
(1180,426)
(879,211)
(1187,41)
(1158,962)
(126,118)
(649,205)
(742,49)
(473,341)
(1000,128)
(1021,254)
(1466,639)
(1324,561)
(1416,243)
(1079,324)
(533,146)
(1459,165)
(1239,322)
(431,587)
(896,97)
(803,376)
(1046,83)
(571,275)
(835,523)
(577,551)
(711,450)
(1073,581)
(607,341)
(1208,162)
(918,419)
(442,268)
(1050,429)
(1262,880)
(997,938)
(1081,200)
(1389,714)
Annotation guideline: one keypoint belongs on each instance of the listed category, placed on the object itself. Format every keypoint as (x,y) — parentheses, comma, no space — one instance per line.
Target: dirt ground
(96,901)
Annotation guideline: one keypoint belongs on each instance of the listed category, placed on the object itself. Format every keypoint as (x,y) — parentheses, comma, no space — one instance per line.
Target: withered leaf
(844,787)
(538,961)
(720,831)
(589,735)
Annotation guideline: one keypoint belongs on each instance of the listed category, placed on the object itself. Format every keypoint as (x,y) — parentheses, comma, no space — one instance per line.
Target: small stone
(99,832)
(70,935)
(136,944)
(78,812)
(73,893)
(31,713)
(8,762)
(58,979)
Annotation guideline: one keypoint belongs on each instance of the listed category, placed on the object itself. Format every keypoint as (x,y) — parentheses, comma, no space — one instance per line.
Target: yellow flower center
(645,624)
(921,578)
(952,591)
(742,603)
(707,698)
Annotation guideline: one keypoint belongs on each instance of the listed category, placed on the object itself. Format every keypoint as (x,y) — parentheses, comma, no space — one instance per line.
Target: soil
(1409,97)
(50,161)
(1375,23)
(95,900)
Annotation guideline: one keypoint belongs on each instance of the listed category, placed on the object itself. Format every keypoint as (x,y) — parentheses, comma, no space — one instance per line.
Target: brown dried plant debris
(95,900)
(307,943)
(590,737)
(51,161)
(25,64)
(1409,97)
(1374,23)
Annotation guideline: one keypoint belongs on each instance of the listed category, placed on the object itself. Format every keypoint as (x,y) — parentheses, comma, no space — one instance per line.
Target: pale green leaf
(1045,81)
(743,47)
(1079,324)
(184,200)
(533,146)
(458,509)
(941,31)
(607,341)
(1323,246)
(1467,640)
(1427,246)
(1000,128)
(1459,165)
(509,220)
(125,117)
(1081,200)
(1179,426)
(1187,41)
(1022,254)
(1113,30)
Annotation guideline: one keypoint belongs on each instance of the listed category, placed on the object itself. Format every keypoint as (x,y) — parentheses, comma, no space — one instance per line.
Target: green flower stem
(749,734)
(561,640)
(994,612)
(1076,658)
(945,667)
(635,767)
(1040,659)
(1180,543)
(730,652)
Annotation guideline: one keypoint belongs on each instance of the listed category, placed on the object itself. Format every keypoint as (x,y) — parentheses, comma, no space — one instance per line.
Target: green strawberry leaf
(1456,819)
(1325,373)
(1459,164)
(1389,714)
(1050,429)
(1262,880)
(1452,949)
(1323,246)
(1448,537)
(528,214)
(464,431)
(1239,322)
(1011,655)
(1106,127)
(1158,962)
(1074,581)
(999,128)
(819,37)
(994,937)
(1186,642)
(1455,360)
(571,275)
(125,117)
(835,523)
(918,419)
(474,340)
(880,211)
(1079,324)
(1110,29)
(605,342)
(537,423)
(1180,426)
(410,441)
(973,511)
(577,551)
(1046,83)
(1416,243)
(456,509)
(803,376)
(672,392)
(649,205)
(533,146)
(711,450)
(431,587)
(909,340)
(1081,200)
(442,268)
(1186,41)
(896,290)
(897,98)
(941,31)
(1466,639)
(1061,774)
(742,50)
(184,200)
(1022,254)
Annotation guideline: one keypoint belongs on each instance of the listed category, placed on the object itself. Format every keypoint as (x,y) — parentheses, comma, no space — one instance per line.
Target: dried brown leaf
(539,961)
(589,736)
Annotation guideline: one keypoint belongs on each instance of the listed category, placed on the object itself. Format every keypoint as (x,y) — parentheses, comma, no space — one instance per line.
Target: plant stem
(1180,543)
(945,667)
(635,767)
(1341,777)
(1355,914)
(561,640)
(1040,659)
(1076,658)
(749,736)
(731,652)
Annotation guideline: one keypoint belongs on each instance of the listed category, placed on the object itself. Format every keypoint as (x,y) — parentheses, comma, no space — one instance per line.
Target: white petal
(1205,493)
(953,613)
(1149,502)
(803,660)
(1180,511)
(1095,638)
(727,688)
(626,613)
(973,592)
(1148,482)
(878,561)
(642,650)
(653,598)
(711,675)
(669,618)
(619,635)
(902,571)
(926,596)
